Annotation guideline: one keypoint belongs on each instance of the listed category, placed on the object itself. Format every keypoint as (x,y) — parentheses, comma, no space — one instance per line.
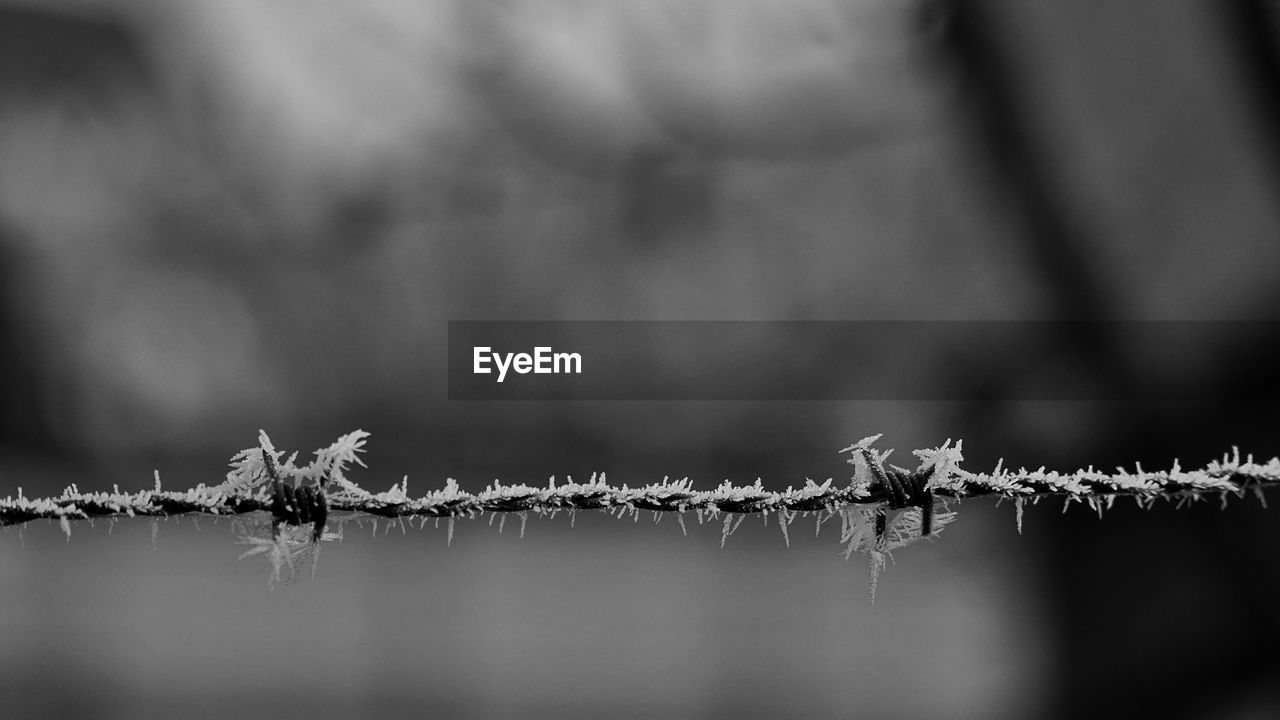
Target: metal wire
(938,475)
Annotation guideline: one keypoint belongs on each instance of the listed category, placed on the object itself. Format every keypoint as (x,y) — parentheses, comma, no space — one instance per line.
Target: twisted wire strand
(938,475)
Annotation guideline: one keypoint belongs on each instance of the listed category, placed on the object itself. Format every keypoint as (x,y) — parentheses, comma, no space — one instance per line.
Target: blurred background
(249,214)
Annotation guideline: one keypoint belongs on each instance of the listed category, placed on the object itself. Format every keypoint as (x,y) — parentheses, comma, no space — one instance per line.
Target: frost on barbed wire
(248,467)
(883,508)
(858,456)
(942,464)
(284,548)
(331,462)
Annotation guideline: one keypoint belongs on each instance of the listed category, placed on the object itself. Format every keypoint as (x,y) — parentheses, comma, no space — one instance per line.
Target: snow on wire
(884,507)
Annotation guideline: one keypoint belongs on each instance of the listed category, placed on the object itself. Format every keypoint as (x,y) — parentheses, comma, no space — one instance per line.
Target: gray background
(234,215)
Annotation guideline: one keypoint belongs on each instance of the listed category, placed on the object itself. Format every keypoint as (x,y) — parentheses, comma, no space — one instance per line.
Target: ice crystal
(943,463)
(784,519)
(877,561)
(857,529)
(862,455)
(331,462)
(284,548)
(248,469)
(905,527)
(731,523)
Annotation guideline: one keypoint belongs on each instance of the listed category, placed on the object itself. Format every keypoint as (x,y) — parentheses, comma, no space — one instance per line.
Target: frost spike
(876,560)
(730,526)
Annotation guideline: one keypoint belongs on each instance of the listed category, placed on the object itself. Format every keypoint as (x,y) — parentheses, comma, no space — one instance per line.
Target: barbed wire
(873,484)
(884,507)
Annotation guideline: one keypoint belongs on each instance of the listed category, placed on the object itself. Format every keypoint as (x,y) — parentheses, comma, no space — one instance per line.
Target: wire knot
(293,505)
(903,489)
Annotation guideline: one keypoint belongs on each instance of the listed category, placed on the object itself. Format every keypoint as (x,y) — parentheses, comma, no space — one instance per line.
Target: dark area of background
(215,219)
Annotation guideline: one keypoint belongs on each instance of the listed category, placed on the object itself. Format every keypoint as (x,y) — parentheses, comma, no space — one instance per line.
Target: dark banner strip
(836,361)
